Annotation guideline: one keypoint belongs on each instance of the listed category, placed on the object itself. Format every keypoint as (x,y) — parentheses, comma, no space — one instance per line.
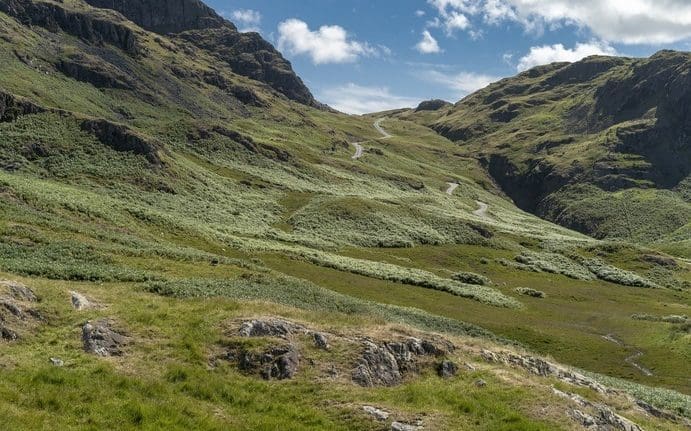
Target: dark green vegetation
(186,179)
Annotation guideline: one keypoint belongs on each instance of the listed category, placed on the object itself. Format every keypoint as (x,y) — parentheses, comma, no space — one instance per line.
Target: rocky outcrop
(599,418)
(12,107)
(55,17)
(101,339)
(165,16)
(543,368)
(17,312)
(386,364)
(276,362)
(100,77)
(249,55)
(121,138)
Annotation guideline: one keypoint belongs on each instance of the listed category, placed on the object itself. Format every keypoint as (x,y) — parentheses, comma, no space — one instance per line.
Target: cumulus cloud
(428,44)
(247,19)
(545,54)
(451,15)
(460,83)
(356,99)
(616,21)
(328,44)
(630,21)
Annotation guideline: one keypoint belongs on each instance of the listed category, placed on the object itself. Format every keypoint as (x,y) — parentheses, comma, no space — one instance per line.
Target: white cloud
(452,14)
(461,83)
(428,44)
(546,54)
(356,99)
(616,21)
(329,44)
(248,19)
(419,13)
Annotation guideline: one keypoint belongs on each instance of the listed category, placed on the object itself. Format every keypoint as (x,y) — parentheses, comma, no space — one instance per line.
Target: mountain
(189,241)
(581,144)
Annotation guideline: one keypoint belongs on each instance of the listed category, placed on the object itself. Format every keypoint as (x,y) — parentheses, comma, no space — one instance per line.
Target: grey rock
(377,367)
(281,362)
(447,369)
(269,328)
(385,364)
(400,426)
(57,362)
(80,302)
(584,419)
(101,339)
(480,383)
(378,414)
(18,291)
(7,334)
(321,341)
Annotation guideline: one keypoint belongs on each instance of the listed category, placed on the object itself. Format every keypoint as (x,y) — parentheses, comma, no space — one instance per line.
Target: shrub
(471,278)
(530,292)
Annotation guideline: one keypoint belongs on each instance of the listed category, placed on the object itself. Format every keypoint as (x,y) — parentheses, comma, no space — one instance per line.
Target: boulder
(101,339)
(400,426)
(447,369)
(269,328)
(378,414)
(81,302)
(279,362)
(321,341)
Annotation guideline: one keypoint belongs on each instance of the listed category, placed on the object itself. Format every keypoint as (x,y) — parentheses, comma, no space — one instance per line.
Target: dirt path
(377,125)
(631,360)
(482,210)
(359,149)
(452,187)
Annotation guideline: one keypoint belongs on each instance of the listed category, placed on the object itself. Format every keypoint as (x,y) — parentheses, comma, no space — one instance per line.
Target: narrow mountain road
(377,125)
(452,187)
(359,149)
(482,210)
(631,360)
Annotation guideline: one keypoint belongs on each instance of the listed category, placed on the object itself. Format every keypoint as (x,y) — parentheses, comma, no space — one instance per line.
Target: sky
(363,56)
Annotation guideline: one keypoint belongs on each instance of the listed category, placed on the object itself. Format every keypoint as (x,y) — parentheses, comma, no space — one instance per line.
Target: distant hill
(602,145)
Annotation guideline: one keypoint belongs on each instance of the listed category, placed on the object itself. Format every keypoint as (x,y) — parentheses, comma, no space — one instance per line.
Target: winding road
(359,149)
(482,210)
(631,360)
(452,187)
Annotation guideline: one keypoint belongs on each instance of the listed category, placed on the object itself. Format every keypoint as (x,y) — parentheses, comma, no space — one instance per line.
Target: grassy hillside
(581,144)
(180,196)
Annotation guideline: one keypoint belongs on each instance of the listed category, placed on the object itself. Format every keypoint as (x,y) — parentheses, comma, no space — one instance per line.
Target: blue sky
(369,55)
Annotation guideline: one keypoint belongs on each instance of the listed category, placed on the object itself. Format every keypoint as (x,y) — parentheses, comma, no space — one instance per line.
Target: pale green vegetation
(288,224)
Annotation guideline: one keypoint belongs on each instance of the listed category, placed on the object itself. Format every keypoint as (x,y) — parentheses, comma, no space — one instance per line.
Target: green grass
(222,231)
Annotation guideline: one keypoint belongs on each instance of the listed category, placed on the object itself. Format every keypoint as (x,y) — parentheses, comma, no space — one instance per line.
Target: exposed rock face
(16,310)
(278,362)
(91,73)
(269,328)
(101,339)
(385,364)
(12,107)
(542,368)
(249,55)
(602,417)
(165,16)
(378,414)
(54,18)
(121,138)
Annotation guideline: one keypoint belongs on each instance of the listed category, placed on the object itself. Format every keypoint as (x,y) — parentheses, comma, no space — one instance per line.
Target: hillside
(581,144)
(171,190)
